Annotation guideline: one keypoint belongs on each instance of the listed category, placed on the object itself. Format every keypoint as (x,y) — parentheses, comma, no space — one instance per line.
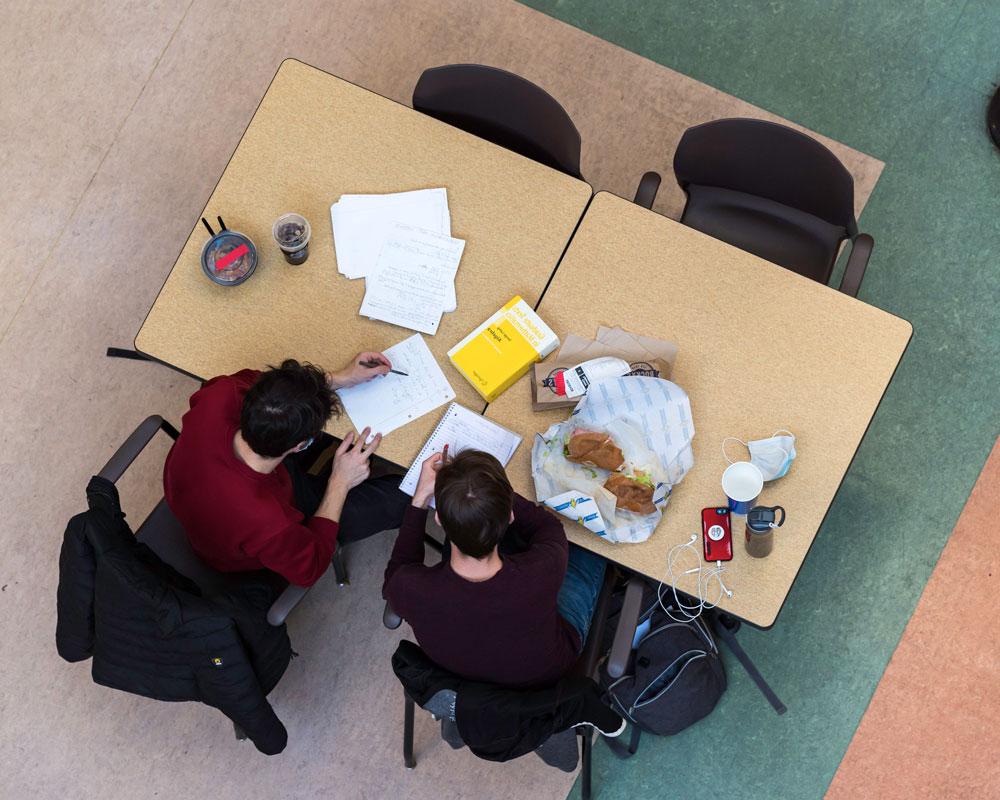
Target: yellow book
(502,349)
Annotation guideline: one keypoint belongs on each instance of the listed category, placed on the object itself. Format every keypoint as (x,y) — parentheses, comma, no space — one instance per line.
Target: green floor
(906,82)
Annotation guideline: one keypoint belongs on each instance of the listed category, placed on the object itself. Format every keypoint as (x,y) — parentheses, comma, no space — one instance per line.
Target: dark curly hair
(285,406)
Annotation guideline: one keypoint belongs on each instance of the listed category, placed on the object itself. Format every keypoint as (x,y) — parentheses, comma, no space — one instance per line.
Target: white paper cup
(742,482)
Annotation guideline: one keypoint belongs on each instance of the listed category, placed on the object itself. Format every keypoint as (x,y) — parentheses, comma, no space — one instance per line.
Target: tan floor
(930,730)
(117,121)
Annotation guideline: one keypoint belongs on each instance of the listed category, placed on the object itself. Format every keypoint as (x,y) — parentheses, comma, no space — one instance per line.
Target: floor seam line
(90,182)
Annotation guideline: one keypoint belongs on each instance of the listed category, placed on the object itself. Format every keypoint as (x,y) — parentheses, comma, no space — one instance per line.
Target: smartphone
(717,533)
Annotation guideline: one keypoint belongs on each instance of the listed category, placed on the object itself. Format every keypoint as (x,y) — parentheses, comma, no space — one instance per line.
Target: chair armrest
(621,647)
(135,444)
(287,600)
(861,250)
(649,185)
(592,649)
(390,618)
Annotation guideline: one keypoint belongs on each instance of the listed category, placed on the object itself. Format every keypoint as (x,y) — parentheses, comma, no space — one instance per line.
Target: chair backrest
(768,160)
(503,108)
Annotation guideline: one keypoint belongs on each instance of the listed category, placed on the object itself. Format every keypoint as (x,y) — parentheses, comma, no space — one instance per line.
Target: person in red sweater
(237,478)
(512,603)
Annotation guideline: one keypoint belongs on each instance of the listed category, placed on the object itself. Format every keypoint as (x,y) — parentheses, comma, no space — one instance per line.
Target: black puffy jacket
(151,633)
(500,724)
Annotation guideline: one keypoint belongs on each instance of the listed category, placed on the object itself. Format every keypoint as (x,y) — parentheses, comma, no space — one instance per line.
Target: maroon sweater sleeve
(408,549)
(548,546)
(300,553)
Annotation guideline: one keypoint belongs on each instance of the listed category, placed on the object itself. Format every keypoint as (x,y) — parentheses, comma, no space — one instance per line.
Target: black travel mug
(761,523)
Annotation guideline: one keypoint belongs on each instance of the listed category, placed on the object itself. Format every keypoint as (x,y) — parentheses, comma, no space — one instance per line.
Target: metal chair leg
(725,628)
(408,758)
(585,756)
(340,568)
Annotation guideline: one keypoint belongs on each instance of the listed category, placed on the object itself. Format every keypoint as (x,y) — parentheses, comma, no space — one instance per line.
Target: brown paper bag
(647,356)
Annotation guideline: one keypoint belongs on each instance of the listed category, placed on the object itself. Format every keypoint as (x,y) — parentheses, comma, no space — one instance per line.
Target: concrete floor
(117,120)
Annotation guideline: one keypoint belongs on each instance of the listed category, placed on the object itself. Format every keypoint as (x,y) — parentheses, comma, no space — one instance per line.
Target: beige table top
(820,362)
(313,138)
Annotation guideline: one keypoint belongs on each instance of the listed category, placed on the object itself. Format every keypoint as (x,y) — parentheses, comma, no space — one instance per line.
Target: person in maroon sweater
(237,479)
(512,603)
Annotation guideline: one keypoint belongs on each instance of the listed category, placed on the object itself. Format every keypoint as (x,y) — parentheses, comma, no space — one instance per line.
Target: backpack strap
(625,751)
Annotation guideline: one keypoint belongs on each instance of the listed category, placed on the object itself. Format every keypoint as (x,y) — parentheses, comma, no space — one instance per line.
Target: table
(313,138)
(760,348)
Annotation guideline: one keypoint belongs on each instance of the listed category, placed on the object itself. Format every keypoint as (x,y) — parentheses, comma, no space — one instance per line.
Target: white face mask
(772,456)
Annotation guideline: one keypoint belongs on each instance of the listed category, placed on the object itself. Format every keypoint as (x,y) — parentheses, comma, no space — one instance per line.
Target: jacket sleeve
(227,682)
(75,594)
(300,553)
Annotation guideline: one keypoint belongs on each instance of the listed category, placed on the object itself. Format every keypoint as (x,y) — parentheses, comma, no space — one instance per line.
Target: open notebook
(462,429)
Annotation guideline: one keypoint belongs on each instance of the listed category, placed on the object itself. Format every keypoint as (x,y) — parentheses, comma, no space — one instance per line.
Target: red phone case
(718,546)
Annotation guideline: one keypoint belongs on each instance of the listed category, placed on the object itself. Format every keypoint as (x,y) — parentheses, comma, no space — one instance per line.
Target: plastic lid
(229,258)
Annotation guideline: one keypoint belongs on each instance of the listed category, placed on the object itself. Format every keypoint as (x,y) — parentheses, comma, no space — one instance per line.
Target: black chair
(163,534)
(502,108)
(586,665)
(773,192)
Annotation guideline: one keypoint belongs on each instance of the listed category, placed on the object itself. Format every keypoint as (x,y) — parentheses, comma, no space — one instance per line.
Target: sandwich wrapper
(646,356)
(650,420)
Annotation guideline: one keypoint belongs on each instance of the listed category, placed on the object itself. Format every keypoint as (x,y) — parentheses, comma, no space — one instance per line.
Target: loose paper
(413,281)
(361,222)
(390,401)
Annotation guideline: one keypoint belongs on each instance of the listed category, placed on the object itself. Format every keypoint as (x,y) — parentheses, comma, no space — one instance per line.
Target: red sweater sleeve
(300,553)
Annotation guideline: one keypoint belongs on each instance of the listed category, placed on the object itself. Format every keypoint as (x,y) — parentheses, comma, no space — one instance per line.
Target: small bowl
(229,258)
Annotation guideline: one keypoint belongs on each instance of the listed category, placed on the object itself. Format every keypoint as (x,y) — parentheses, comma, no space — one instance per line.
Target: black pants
(373,506)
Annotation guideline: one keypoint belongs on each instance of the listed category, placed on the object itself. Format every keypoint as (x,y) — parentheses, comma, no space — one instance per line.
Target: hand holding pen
(372,364)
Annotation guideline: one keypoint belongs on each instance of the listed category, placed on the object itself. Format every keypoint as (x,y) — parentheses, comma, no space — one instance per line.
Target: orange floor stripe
(931,729)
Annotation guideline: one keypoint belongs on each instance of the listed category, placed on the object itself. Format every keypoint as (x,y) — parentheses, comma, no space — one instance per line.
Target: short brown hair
(474,500)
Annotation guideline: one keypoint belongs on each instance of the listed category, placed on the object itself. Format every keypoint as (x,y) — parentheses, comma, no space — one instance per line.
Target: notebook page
(391,401)
(463,429)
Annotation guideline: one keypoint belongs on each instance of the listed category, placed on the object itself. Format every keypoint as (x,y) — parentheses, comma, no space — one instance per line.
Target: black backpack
(674,676)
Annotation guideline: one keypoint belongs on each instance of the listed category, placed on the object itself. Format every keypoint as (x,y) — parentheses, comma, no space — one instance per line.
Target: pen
(444,455)
(371,364)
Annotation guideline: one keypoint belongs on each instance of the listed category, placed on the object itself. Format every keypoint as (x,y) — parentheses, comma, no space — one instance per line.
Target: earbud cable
(706,575)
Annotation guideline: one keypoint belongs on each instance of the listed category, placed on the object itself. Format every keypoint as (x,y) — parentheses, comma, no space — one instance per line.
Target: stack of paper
(401,245)
(361,222)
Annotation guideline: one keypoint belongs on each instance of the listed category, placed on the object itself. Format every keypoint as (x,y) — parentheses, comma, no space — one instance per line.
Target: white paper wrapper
(650,420)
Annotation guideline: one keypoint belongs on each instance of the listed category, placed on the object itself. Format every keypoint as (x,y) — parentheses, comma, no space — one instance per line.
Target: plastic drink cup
(228,258)
(742,482)
(291,233)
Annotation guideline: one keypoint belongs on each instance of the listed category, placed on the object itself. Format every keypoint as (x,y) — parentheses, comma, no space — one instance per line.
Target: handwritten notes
(391,401)
(413,281)
(463,429)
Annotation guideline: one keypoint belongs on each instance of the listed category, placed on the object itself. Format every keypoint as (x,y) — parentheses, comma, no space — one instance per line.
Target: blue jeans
(579,590)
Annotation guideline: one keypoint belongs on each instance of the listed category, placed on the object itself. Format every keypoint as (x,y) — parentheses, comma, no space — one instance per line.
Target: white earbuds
(706,574)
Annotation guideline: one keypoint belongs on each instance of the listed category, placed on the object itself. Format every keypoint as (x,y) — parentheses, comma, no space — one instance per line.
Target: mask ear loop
(783,430)
(725,455)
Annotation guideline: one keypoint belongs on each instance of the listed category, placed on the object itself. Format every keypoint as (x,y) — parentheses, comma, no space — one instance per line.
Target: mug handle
(780,522)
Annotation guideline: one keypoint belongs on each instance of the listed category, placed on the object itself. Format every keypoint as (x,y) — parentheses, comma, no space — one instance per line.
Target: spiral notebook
(462,429)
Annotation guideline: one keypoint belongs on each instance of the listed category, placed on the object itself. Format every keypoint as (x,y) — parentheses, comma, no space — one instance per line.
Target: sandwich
(633,493)
(595,449)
